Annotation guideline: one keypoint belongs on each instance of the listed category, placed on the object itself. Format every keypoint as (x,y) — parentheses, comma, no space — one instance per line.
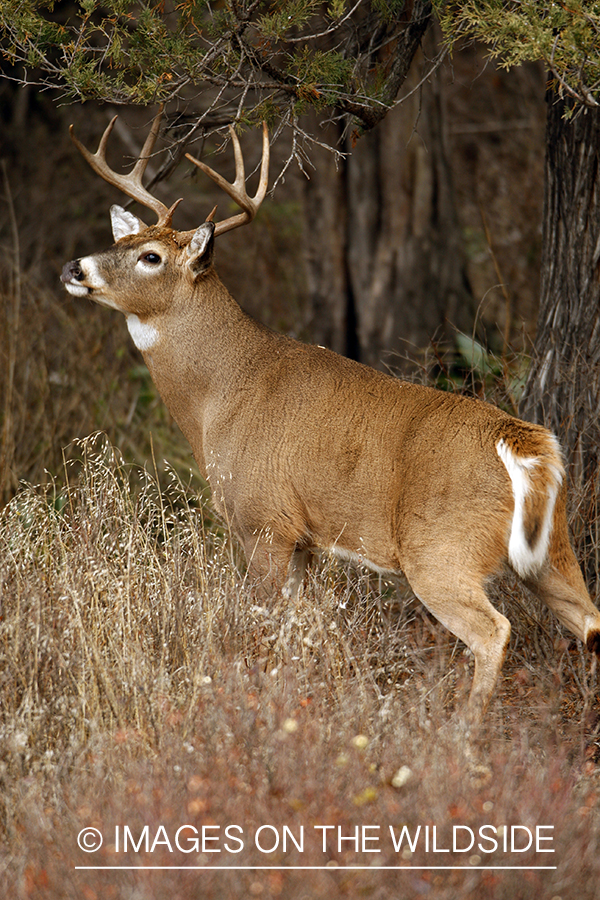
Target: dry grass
(141,686)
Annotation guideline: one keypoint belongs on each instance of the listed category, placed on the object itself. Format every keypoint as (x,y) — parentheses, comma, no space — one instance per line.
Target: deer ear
(124,223)
(201,248)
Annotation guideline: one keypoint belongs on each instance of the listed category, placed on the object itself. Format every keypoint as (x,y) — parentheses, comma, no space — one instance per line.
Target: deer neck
(200,351)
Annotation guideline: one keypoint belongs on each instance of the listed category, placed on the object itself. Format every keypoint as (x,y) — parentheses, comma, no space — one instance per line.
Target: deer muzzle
(72,271)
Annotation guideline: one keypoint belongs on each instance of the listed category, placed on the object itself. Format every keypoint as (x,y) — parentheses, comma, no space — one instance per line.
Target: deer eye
(152,258)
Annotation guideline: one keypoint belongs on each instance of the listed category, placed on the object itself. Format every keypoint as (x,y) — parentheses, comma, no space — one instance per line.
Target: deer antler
(130,184)
(237,190)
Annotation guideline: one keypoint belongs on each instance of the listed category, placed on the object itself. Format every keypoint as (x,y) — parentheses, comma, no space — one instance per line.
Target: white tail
(535,483)
(306,450)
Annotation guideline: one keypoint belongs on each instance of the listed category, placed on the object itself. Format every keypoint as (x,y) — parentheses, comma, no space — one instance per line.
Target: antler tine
(130,184)
(264,168)
(240,172)
(237,189)
(144,157)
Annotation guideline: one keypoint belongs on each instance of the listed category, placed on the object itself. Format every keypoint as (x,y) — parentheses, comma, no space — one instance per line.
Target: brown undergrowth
(144,694)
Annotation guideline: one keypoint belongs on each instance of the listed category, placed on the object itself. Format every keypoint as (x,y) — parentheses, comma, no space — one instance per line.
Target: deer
(306,451)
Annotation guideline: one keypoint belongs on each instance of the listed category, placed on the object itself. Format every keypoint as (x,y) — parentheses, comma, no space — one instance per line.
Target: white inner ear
(124,223)
(201,239)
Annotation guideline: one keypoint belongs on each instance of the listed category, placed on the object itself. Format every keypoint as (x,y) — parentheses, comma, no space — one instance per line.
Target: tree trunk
(563,388)
(385,267)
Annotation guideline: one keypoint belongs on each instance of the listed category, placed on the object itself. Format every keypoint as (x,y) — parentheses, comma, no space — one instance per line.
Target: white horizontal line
(328,868)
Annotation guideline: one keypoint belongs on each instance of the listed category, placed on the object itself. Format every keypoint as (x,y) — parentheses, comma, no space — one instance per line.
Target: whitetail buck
(306,450)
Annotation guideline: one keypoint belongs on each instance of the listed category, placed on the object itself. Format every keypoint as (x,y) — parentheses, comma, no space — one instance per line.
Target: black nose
(72,271)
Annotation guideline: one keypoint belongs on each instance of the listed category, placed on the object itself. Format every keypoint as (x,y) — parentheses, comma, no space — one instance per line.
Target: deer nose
(72,271)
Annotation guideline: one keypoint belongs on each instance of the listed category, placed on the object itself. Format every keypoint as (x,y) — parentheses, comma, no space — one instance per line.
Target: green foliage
(389,8)
(290,53)
(336,9)
(475,370)
(565,37)
(282,18)
(318,74)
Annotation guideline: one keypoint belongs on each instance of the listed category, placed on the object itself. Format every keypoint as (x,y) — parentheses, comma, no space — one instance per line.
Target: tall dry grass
(141,686)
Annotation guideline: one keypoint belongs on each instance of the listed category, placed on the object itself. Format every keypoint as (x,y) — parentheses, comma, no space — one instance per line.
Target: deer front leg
(299,563)
(272,560)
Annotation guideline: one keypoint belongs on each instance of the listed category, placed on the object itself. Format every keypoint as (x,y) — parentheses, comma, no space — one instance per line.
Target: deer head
(154,263)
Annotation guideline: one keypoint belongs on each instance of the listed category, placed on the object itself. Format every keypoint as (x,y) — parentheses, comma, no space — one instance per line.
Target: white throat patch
(144,335)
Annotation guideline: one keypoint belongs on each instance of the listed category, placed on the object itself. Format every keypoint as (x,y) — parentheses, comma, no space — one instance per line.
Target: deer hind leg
(566,595)
(561,587)
(458,600)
